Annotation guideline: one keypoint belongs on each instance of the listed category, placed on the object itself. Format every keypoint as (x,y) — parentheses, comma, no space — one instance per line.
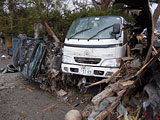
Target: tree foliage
(20,17)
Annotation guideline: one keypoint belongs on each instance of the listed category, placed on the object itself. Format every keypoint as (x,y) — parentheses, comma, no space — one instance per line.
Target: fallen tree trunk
(52,34)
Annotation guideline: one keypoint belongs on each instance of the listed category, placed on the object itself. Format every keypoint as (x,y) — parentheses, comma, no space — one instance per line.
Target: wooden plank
(127,83)
(96,83)
(99,97)
(105,113)
(155,52)
(128,51)
(109,109)
(127,58)
(105,93)
(105,80)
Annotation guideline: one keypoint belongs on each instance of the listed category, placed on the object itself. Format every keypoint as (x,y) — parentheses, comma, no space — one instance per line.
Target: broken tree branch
(51,32)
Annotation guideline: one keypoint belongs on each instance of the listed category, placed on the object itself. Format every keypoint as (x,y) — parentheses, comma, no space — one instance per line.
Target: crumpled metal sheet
(37,59)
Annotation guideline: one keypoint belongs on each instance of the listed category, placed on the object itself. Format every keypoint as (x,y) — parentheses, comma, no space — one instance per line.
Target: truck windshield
(86,28)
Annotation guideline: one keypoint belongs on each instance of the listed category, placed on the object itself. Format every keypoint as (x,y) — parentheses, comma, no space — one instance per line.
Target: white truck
(94,46)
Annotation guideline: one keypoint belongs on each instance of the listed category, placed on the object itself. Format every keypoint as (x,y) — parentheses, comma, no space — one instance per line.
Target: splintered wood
(155,52)
(105,93)
(105,80)
(121,86)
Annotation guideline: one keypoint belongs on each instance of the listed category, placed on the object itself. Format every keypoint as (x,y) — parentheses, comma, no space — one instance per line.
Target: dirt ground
(24,100)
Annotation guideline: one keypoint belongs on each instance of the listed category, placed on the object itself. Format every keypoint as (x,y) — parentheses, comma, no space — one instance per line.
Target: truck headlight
(67,59)
(111,63)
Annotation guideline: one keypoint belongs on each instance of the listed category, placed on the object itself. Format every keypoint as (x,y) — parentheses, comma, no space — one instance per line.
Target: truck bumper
(88,70)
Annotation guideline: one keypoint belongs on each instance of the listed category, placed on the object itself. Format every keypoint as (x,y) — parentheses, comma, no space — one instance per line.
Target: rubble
(4,57)
(122,83)
(41,62)
(9,69)
(132,71)
(62,92)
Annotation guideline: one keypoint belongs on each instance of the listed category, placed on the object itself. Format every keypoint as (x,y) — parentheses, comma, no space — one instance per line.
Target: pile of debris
(9,69)
(129,80)
(129,93)
(38,60)
(41,62)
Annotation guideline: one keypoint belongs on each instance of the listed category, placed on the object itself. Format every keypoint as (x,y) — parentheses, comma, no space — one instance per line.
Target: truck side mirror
(116,28)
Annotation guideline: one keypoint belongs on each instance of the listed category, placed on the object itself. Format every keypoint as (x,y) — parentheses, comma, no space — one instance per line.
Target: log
(99,97)
(109,91)
(51,32)
(105,113)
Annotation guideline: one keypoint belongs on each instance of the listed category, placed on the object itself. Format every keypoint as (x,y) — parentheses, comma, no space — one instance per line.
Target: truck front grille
(87,60)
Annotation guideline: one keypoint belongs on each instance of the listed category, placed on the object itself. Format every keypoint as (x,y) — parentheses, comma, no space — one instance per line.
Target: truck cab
(94,46)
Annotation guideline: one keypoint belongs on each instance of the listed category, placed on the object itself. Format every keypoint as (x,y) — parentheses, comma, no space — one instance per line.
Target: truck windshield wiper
(100,31)
(79,32)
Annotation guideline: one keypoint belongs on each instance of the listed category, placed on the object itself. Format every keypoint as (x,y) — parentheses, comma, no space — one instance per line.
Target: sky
(71,6)
(153,7)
